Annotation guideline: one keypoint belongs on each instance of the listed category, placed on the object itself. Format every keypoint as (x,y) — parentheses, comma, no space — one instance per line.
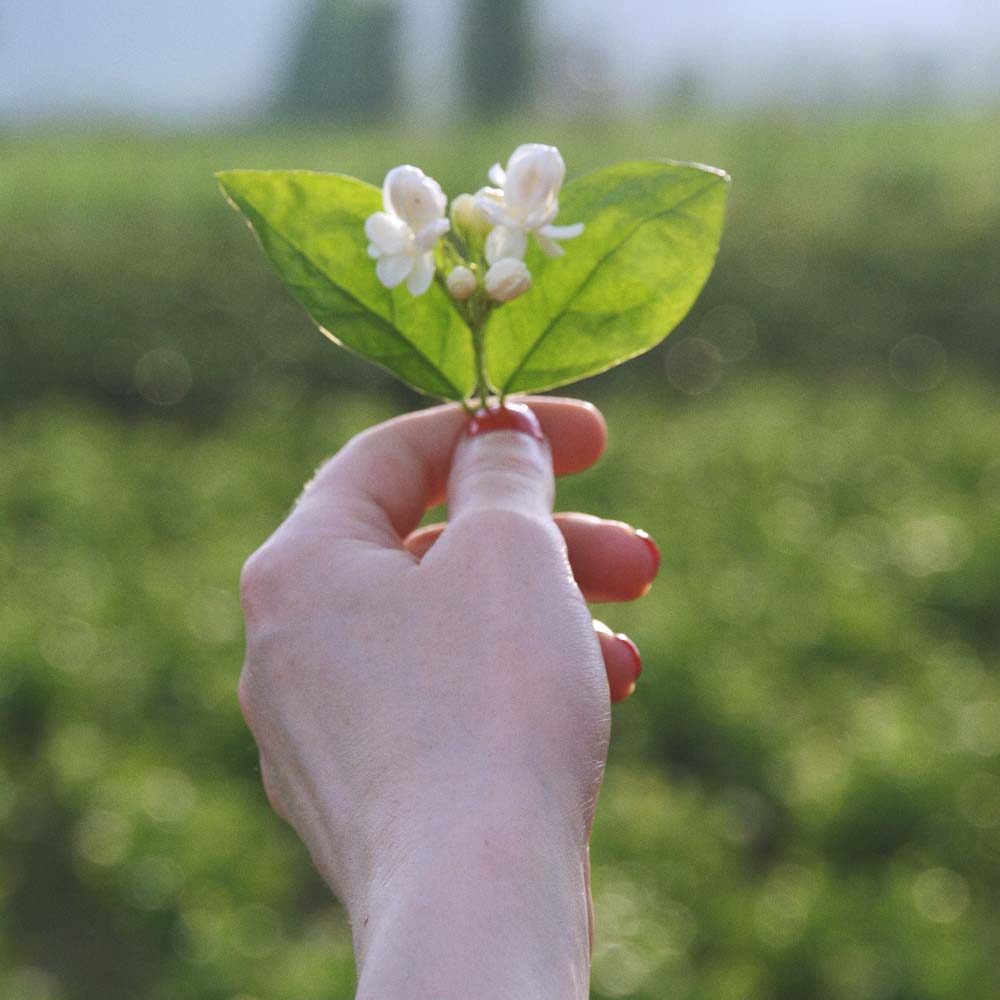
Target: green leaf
(311,226)
(651,237)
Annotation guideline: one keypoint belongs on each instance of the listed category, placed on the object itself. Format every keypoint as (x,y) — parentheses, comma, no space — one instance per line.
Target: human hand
(432,706)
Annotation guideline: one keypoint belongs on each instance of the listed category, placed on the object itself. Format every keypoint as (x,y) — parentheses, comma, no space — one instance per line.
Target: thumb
(502,462)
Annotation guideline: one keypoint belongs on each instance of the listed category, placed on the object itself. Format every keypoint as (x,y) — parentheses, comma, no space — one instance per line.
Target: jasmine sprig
(525,200)
(484,299)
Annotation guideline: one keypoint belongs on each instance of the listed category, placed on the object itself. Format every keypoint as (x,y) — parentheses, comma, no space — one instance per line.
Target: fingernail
(509,417)
(634,650)
(654,549)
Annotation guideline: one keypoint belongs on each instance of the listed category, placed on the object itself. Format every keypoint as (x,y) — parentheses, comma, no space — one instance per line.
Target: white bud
(461,283)
(467,216)
(507,279)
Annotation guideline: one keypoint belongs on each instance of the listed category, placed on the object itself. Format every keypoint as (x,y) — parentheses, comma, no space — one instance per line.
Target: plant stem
(482,385)
(477,324)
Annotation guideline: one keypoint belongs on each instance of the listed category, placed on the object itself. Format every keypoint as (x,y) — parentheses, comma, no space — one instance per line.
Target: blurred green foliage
(842,239)
(803,799)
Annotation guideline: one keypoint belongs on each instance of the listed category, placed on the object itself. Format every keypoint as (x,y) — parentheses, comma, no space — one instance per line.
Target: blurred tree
(345,63)
(497,55)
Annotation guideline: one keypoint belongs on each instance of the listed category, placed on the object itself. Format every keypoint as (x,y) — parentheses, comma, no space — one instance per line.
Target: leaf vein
(389,325)
(586,281)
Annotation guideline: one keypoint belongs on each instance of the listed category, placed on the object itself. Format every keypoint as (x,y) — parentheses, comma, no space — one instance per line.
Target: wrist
(493,903)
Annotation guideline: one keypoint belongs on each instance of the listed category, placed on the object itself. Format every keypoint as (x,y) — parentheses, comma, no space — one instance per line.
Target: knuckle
(504,467)
(511,458)
(506,478)
(271,790)
(523,550)
(506,529)
(259,581)
(245,695)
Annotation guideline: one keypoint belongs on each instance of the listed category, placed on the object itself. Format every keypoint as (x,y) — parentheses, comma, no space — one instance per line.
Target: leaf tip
(225,178)
(718,171)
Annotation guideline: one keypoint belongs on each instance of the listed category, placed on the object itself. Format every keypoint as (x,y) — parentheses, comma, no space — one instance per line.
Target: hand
(432,706)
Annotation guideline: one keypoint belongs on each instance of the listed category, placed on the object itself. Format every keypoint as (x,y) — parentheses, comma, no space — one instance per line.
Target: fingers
(611,561)
(378,487)
(502,462)
(621,661)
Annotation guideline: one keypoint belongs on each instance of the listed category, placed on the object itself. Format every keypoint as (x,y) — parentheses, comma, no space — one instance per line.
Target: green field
(844,237)
(803,798)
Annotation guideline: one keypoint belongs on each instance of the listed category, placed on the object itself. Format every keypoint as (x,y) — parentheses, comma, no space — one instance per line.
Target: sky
(168,58)
(192,60)
(755,45)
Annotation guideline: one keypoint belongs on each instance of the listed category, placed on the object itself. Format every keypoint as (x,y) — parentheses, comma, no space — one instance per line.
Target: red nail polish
(654,549)
(634,650)
(509,417)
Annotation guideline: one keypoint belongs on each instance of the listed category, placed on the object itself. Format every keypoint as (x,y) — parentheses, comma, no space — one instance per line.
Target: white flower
(467,215)
(461,283)
(403,236)
(525,200)
(507,279)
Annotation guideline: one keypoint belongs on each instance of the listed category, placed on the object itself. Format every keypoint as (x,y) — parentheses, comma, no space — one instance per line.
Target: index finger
(378,486)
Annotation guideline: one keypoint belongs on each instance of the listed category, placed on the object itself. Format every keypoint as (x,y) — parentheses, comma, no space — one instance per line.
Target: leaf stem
(479,312)
(481,383)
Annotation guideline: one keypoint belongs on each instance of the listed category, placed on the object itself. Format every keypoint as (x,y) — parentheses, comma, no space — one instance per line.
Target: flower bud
(461,283)
(467,216)
(507,279)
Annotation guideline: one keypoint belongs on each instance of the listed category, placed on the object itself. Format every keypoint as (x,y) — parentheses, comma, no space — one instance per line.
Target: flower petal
(388,233)
(490,203)
(422,274)
(389,184)
(497,175)
(431,233)
(534,176)
(562,232)
(548,245)
(505,242)
(374,252)
(416,198)
(541,216)
(391,270)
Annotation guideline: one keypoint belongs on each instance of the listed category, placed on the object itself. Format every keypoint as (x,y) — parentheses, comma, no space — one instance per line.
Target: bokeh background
(803,798)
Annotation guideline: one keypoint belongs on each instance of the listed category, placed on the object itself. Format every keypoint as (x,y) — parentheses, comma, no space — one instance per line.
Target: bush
(124,276)
(802,798)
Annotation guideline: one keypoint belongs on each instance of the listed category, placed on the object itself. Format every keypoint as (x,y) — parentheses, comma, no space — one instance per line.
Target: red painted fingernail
(654,549)
(509,417)
(634,650)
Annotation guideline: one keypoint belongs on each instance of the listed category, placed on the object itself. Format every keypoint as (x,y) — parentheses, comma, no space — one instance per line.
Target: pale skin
(432,706)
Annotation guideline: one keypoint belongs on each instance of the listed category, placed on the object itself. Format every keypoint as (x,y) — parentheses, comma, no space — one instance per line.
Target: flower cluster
(489,229)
